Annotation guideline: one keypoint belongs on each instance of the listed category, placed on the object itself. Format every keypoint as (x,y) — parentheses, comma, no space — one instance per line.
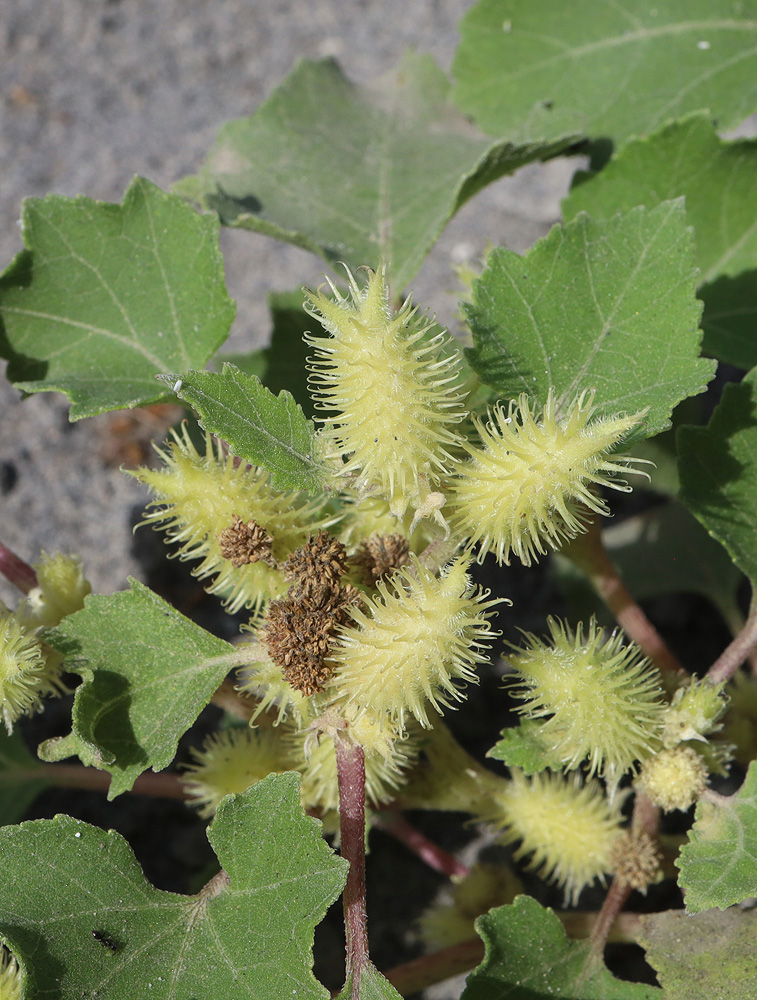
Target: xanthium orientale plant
(374,553)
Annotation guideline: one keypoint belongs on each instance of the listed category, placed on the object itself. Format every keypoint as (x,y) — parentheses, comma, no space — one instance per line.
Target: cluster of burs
(364,619)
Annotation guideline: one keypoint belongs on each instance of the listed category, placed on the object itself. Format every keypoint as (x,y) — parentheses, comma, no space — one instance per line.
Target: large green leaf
(607,305)
(78,912)
(529,956)
(148,672)
(718,469)
(354,173)
(532,70)
(719,863)
(718,180)
(106,296)
(267,430)
(704,956)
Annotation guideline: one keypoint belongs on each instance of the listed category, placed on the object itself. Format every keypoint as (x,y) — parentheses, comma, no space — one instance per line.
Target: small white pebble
(77,834)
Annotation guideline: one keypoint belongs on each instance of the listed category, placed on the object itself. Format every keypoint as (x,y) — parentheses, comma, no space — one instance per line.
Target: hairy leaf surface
(78,912)
(266,430)
(106,296)
(718,181)
(532,70)
(355,174)
(606,305)
(148,672)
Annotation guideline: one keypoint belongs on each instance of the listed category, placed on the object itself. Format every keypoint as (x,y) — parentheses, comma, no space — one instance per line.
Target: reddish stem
(19,573)
(435,857)
(588,552)
(350,766)
(734,655)
(646,819)
(164,785)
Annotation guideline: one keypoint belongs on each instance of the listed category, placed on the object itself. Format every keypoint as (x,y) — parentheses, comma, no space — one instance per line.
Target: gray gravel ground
(95,91)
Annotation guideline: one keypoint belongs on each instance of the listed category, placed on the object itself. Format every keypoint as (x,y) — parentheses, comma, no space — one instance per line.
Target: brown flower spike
(243,544)
(300,628)
(379,556)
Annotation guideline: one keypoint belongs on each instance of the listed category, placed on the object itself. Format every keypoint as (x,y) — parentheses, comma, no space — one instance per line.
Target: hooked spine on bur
(529,485)
(390,391)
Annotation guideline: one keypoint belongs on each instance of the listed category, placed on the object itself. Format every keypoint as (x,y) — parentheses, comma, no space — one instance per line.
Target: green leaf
(373,986)
(529,956)
(355,174)
(718,469)
(537,69)
(705,955)
(282,365)
(685,558)
(21,778)
(606,305)
(266,430)
(107,295)
(148,672)
(719,863)
(247,934)
(520,746)
(717,178)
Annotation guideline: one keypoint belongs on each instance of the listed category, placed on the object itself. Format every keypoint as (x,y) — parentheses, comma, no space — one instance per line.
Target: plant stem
(19,573)
(646,819)
(164,785)
(435,857)
(734,655)
(350,766)
(588,553)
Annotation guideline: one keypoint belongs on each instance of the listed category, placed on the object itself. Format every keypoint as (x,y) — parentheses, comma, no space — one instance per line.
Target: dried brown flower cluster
(379,556)
(635,858)
(242,543)
(300,627)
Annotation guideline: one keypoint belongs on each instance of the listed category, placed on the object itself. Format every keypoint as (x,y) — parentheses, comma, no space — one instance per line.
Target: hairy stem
(588,553)
(350,766)
(739,650)
(435,857)
(19,573)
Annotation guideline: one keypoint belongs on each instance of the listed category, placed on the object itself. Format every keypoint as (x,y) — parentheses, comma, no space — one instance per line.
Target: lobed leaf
(718,469)
(529,955)
(535,70)
(148,672)
(719,863)
(521,747)
(607,305)
(106,296)
(717,179)
(266,430)
(355,174)
(78,912)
